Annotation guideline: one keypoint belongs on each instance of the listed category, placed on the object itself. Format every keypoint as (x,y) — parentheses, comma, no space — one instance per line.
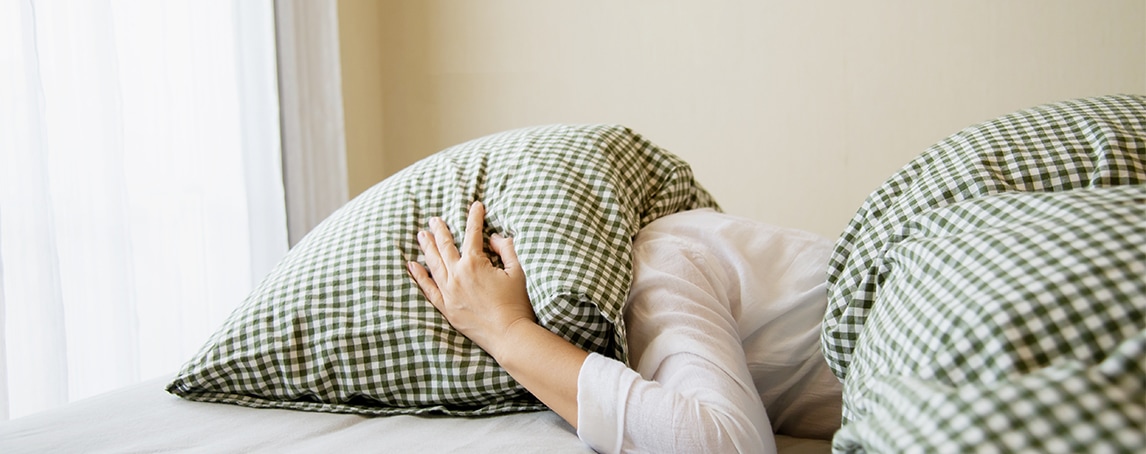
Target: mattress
(144,418)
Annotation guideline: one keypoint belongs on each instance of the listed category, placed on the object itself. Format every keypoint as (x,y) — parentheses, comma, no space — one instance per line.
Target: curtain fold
(141,194)
(314,138)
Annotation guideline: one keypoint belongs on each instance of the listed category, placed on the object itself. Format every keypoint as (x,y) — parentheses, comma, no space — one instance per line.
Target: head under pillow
(338,325)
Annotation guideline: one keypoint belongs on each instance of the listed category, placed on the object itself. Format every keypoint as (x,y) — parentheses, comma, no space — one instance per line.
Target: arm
(690,389)
(693,392)
(491,307)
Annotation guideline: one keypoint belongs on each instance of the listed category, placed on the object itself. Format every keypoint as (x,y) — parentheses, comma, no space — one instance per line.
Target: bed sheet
(144,418)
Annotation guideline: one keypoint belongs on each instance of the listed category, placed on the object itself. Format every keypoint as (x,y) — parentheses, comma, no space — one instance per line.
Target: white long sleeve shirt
(723,319)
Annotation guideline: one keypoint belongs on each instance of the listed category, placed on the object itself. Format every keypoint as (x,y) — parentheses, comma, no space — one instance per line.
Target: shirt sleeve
(690,389)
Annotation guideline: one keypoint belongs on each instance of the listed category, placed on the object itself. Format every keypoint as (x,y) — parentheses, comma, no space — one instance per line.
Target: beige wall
(360,27)
(789,111)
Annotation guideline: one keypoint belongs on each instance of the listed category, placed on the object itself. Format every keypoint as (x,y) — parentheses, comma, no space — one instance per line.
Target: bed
(989,296)
(144,418)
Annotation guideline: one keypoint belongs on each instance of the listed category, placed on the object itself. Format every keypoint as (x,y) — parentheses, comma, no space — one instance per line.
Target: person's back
(772,281)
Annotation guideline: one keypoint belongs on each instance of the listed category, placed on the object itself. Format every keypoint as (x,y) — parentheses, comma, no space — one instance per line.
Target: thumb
(503,246)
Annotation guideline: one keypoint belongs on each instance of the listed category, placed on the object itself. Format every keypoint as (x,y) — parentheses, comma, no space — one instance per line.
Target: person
(692,310)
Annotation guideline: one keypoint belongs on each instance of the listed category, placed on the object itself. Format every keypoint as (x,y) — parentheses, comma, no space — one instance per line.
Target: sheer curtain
(141,194)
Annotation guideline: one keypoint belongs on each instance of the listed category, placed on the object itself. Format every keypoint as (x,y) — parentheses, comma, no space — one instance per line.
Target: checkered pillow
(1008,323)
(339,326)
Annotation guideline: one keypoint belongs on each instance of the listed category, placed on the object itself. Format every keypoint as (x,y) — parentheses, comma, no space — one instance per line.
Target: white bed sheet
(145,418)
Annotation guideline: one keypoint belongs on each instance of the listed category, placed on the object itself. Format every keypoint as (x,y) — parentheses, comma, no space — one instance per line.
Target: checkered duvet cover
(991,296)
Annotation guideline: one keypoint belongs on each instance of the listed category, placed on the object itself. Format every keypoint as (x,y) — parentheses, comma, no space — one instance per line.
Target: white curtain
(314,139)
(141,192)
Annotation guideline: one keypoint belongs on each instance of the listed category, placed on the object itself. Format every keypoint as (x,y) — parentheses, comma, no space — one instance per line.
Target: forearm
(545,364)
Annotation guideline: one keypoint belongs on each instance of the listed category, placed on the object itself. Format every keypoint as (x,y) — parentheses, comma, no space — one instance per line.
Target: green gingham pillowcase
(1008,323)
(339,326)
(1093,142)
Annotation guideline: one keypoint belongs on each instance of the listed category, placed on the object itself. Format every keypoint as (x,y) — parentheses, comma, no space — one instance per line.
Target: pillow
(339,326)
(1015,321)
(1084,143)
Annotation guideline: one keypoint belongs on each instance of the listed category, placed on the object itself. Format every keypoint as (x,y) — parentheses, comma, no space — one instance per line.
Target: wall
(360,26)
(790,112)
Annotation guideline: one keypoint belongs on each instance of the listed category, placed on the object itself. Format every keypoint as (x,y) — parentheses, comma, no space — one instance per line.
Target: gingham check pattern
(1008,323)
(339,326)
(969,311)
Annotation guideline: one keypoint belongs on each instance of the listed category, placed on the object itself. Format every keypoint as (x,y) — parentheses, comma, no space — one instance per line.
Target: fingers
(472,244)
(444,241)
(429,246)
(503,247)
(427,284)
(442,254)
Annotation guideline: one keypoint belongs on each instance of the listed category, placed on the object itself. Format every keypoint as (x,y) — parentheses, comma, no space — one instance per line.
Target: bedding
(339,326)
(990,295)
(144,418)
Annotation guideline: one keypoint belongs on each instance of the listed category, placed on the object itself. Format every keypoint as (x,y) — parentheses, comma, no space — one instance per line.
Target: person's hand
(490,306)
(478,299)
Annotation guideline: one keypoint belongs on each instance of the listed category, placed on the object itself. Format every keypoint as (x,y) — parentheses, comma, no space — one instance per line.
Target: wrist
(520,332)
(544,363)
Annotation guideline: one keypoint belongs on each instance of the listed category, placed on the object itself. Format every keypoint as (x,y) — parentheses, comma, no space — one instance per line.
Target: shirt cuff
(602,386)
